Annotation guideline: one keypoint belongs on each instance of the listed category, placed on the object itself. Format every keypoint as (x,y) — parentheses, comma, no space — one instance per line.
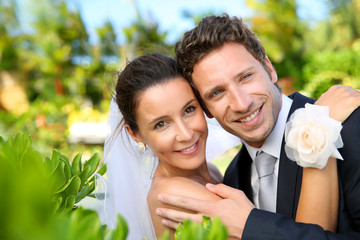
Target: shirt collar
(272,144)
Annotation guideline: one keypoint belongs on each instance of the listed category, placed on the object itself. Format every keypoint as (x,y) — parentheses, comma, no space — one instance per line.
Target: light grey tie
(264,164)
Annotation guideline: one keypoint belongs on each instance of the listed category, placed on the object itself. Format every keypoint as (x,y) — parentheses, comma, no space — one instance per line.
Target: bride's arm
(319,196)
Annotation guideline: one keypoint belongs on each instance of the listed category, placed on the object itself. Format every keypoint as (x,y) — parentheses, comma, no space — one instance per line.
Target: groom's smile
(239,92)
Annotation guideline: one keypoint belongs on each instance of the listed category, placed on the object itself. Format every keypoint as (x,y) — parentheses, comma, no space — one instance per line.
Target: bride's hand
(342,101)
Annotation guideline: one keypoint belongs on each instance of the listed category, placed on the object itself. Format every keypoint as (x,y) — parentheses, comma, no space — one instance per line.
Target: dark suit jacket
(265,225)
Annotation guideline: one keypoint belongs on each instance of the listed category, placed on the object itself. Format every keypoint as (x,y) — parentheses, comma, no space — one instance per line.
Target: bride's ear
(133,134)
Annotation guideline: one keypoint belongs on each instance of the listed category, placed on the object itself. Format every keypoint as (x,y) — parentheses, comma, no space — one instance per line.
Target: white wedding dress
(129,173)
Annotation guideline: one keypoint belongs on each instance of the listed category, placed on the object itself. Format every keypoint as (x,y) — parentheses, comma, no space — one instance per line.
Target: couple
(235,83)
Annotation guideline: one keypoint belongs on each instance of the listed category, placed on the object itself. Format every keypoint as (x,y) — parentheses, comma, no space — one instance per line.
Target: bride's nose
(183,132)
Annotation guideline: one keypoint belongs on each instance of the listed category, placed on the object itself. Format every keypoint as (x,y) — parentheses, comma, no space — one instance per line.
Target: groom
(236,84)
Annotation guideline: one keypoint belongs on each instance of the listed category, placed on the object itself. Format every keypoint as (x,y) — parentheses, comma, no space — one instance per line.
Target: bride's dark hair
(138,75)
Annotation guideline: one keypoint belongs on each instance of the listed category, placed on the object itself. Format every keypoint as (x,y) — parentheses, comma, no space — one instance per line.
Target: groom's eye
(246,76)
(217,92)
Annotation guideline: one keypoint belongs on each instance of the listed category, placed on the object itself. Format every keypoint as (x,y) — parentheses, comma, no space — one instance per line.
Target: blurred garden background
(58,58)
(58,63)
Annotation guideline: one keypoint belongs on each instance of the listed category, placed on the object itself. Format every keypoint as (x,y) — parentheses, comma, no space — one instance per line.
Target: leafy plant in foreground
(207,230)
(29,185)
(71,182)
(38,197)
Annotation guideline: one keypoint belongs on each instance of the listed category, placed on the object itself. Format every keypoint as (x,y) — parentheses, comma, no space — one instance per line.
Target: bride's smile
(171,122)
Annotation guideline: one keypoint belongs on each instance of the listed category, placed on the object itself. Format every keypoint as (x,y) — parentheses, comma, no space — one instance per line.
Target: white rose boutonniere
(311,136)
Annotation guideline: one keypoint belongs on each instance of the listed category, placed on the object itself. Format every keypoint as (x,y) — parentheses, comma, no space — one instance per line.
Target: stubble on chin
(256,139)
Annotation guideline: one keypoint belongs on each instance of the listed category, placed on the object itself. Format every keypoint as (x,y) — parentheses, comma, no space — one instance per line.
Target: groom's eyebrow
(208,92)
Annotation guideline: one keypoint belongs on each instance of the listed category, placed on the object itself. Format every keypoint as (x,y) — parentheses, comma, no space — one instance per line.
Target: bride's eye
(189,109)
(160,125)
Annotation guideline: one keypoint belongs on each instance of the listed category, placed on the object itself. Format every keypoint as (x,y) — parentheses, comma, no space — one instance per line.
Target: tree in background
(9,42)
(63,72)
(282,33)
(51,54)
(311,56)
(143,36)
(334,58)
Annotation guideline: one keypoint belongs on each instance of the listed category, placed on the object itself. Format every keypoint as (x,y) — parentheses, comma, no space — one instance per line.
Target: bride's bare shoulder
(180,186)
(177,186)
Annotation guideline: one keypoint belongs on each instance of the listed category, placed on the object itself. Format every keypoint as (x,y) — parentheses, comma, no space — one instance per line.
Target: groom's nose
(239,100)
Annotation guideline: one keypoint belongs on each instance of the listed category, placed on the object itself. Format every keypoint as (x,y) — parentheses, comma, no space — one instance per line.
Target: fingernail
(160,197)
(158,212)
(164,222)
(209,185)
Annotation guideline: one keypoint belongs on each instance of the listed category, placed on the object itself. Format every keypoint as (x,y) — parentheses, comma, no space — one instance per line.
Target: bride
(159,143)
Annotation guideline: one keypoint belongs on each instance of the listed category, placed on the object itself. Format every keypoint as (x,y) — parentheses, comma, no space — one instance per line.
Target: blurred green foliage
(38,195)
(314,55)
(208,230)
(63,73)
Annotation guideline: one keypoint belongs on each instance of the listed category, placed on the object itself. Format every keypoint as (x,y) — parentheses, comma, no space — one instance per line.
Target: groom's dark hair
(211,33)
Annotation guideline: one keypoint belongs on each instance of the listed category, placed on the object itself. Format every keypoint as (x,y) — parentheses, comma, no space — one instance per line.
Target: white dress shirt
(272,146)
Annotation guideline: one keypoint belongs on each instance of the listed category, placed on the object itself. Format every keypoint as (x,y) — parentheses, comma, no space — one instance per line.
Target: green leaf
(218,230)
(84,175)
(20,144)
(55,156)
(71,187)
(49,164)
(206,223)
(179,231)
(69,202)
(93,162)
(101,171)
(76,164)
(85,224)
(57,203)
(206,231)
(67,168)
(120,232)
(14,148)
(85,191)
(57,177)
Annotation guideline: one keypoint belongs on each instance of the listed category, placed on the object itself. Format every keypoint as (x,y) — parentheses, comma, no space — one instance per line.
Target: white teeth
(250,117)
(189,149)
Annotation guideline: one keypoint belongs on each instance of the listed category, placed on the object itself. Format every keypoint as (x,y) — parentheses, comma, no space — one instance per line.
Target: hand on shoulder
(233,209)
(177,186)
(342,101)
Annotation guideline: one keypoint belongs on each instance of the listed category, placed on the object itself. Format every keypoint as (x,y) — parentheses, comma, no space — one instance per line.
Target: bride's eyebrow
(165,116)
(157,119)
(188,103)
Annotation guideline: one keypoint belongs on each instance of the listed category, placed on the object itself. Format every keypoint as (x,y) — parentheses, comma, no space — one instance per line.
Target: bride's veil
(129,173)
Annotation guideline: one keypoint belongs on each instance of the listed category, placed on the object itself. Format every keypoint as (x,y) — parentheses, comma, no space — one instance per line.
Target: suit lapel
(239,171)
(290,174)
(245,173)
